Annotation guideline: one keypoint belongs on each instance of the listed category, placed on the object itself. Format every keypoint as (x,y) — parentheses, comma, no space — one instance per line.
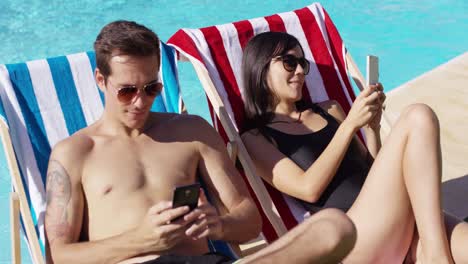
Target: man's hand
(159,230)
(206,221)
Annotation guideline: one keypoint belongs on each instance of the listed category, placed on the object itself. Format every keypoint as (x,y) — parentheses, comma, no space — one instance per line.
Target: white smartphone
(372,69)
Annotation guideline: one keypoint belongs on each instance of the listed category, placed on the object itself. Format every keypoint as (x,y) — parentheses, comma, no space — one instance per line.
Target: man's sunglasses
(290,63)
(127,93)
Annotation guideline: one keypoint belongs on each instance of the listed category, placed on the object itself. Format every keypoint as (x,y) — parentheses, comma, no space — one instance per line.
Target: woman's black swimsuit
(305,149)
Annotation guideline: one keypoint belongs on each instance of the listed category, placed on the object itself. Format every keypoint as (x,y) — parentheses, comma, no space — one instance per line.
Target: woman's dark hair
(260,101)
(124,38)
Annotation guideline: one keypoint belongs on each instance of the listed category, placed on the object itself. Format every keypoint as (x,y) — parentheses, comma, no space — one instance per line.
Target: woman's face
(286,84)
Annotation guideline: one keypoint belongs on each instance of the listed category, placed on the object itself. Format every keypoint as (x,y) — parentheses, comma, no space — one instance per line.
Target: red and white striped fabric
(219,49)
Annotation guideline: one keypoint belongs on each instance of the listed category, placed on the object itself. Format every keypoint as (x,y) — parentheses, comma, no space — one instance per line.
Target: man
(109,185)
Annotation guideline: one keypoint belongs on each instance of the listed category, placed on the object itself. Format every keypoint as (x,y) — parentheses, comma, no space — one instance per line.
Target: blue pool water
(410,37)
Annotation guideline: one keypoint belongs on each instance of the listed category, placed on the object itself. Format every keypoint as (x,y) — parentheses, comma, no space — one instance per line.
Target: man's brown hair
(124,38)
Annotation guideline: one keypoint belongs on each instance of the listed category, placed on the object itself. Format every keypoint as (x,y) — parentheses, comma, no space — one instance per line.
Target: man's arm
(64,213)
(242,221)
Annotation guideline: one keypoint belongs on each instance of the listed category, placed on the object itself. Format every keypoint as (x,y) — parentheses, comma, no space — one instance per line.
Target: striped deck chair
(43,102)
(216,54)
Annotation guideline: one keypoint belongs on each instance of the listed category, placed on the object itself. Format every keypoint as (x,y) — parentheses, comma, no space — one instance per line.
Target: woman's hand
(367,108)
(374,123)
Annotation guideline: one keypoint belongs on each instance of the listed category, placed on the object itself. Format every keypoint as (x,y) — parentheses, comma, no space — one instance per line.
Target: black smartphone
(186,195)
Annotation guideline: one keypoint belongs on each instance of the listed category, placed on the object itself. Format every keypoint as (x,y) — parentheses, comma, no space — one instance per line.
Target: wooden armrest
(233,150)
(253,246)
(15,228)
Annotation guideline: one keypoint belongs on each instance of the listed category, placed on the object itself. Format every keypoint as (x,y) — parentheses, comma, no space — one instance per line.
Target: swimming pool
(410,38)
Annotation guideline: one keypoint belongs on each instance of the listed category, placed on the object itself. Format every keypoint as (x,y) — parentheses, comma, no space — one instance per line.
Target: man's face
(129,71)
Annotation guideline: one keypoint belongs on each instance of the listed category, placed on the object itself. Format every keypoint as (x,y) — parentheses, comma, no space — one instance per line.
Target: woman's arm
(373,140)
(372,133)
(286,176)
(372,129)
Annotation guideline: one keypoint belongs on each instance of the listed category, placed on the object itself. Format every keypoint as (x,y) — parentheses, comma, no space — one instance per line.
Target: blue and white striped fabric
(45,101)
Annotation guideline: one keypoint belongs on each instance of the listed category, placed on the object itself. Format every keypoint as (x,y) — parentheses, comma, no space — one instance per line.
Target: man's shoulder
(75,146)
(192,123)
(178,118)
(185,128)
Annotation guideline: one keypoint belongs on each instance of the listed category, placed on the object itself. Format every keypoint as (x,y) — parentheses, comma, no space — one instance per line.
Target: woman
(312,153)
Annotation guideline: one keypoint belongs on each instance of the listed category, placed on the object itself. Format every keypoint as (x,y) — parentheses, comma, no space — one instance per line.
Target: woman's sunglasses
(127,93)
(290,63)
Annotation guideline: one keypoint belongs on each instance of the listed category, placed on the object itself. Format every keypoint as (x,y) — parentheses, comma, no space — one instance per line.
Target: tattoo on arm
(58,199)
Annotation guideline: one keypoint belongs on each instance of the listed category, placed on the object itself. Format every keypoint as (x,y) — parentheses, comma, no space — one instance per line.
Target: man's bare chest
(124,168)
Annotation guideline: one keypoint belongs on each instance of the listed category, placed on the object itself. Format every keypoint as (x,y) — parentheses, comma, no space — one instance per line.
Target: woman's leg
(458,238)
(402,186)
(326,237)
(457,232)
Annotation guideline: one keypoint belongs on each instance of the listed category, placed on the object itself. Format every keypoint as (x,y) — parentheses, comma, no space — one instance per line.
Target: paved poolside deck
(445,89)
